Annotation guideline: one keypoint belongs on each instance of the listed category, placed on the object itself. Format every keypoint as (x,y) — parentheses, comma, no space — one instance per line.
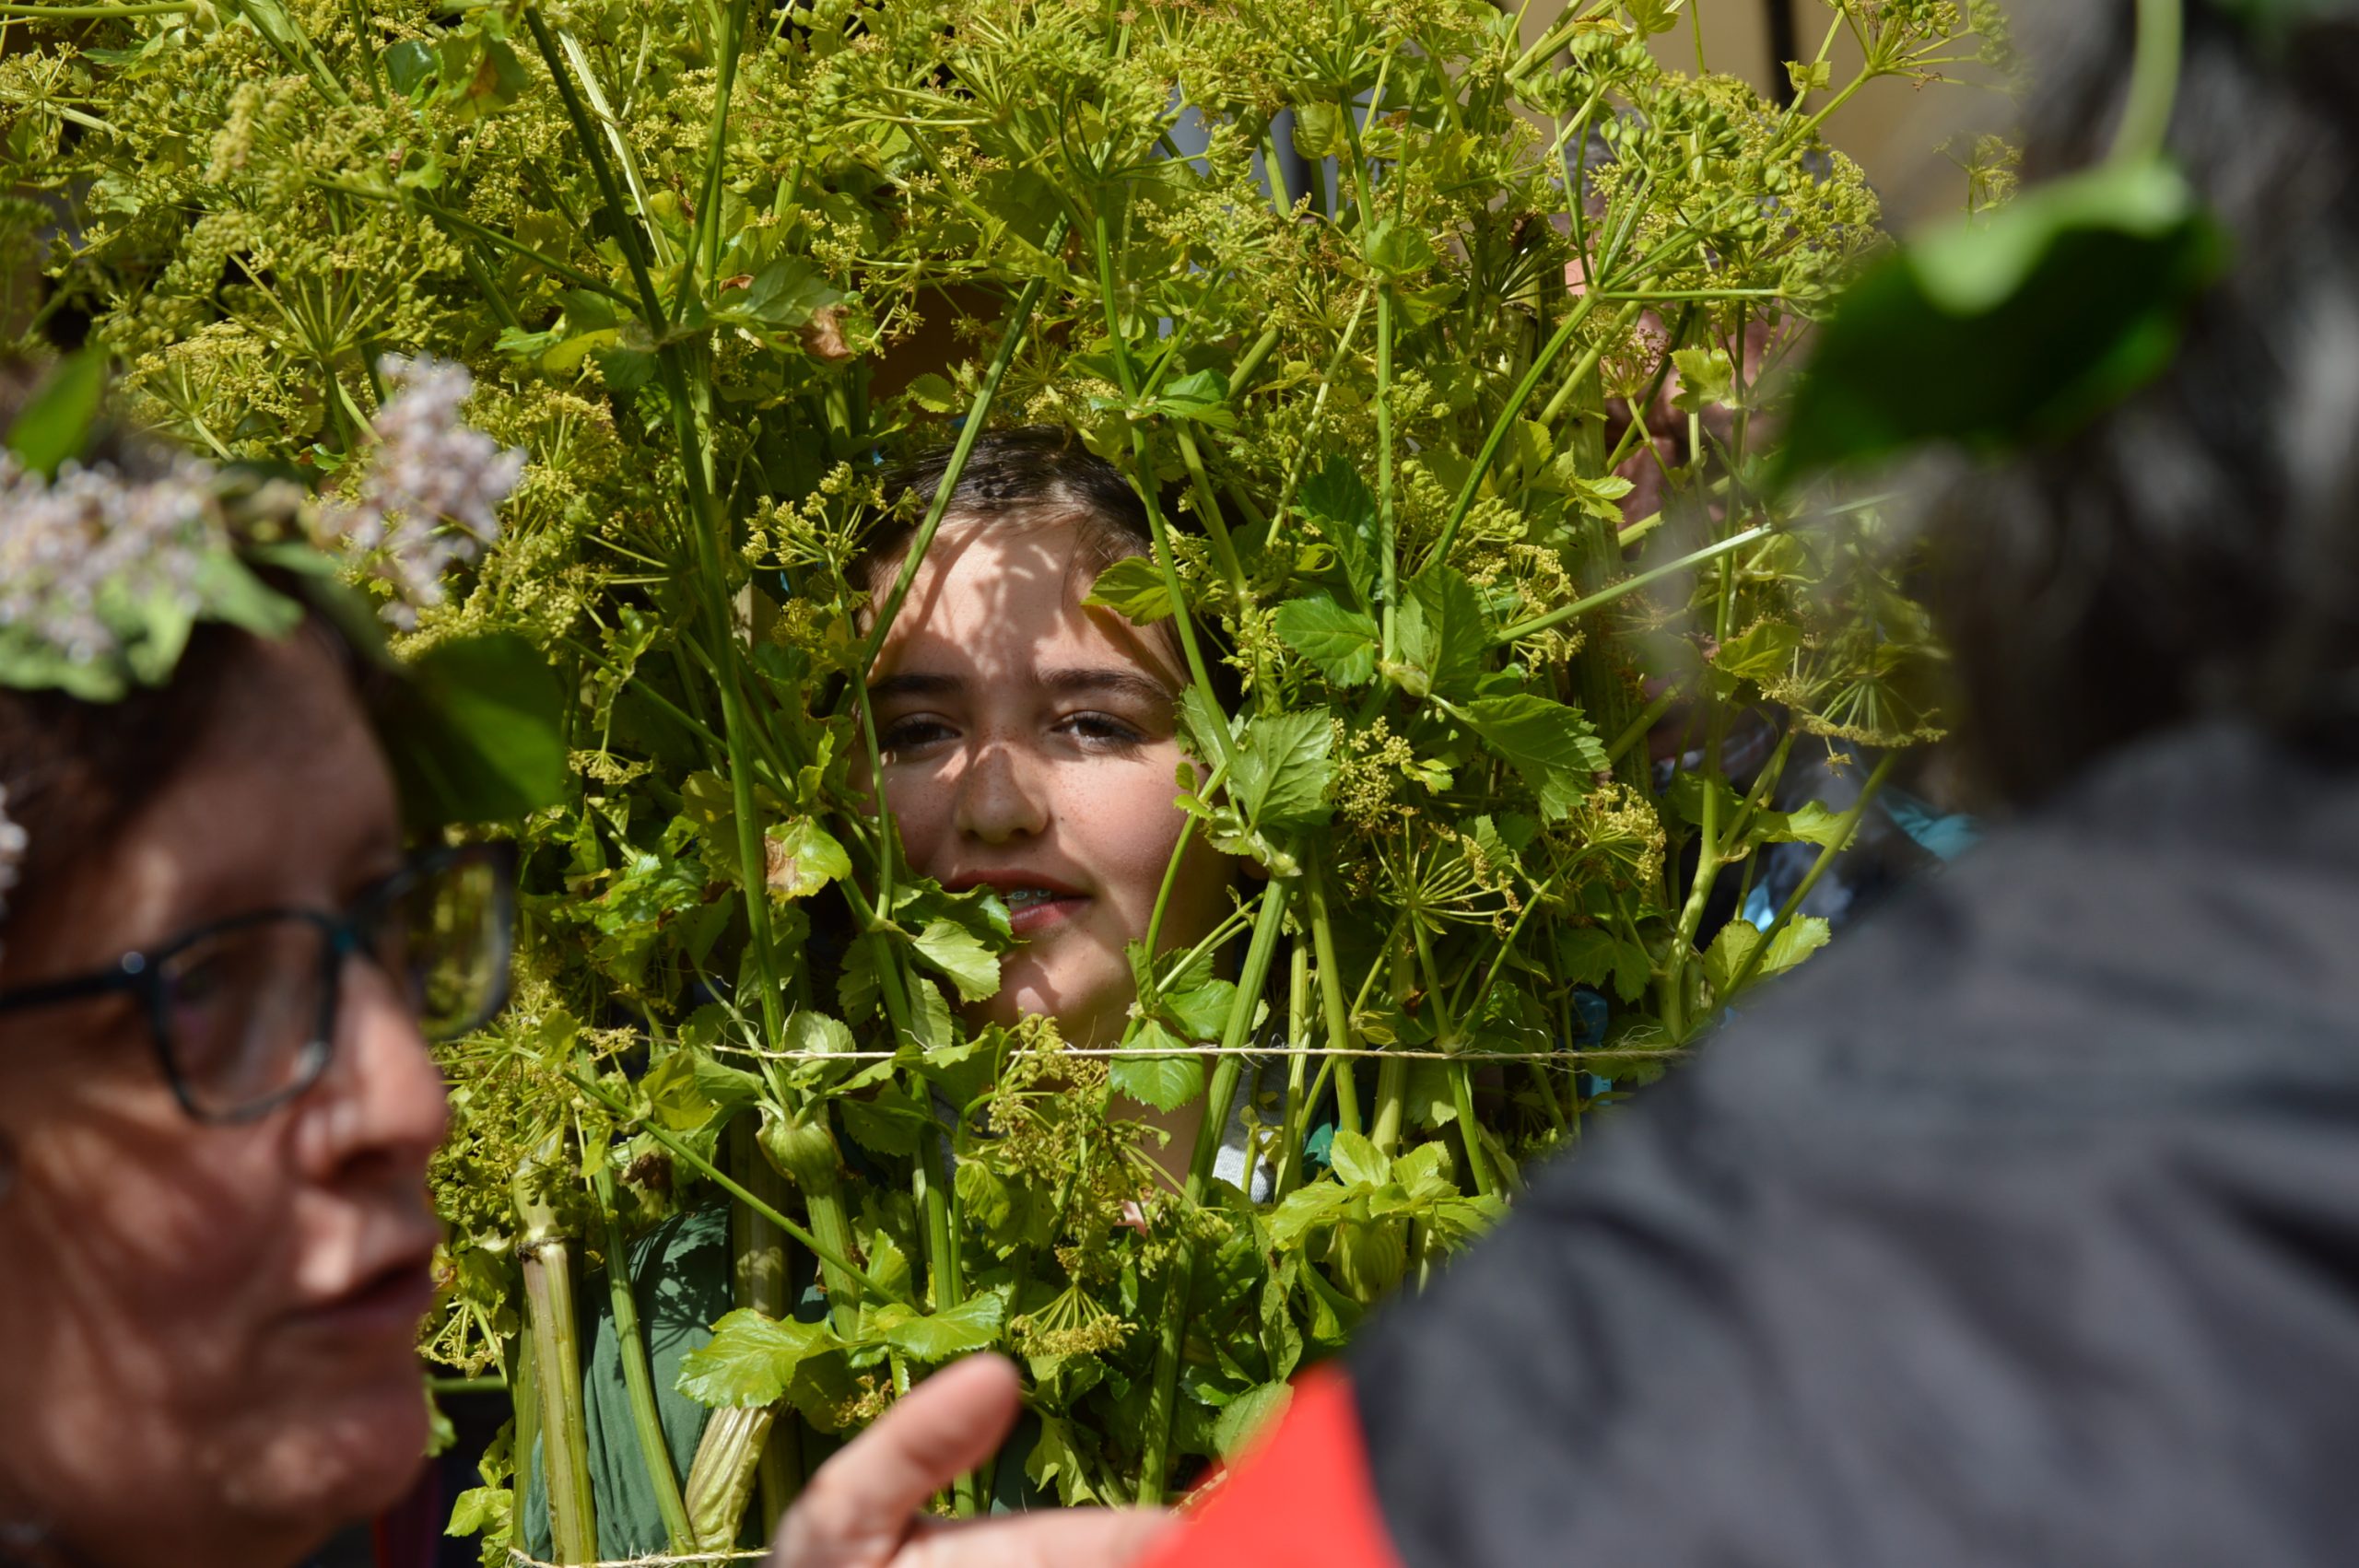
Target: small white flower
(62,541)
(12,852)
(431,497)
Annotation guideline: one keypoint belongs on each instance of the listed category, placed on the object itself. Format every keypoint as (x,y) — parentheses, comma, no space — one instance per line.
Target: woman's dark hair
(77,772)
(2196,552)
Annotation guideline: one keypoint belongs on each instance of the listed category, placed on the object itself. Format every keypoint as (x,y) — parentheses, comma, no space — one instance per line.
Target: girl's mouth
(1031,910)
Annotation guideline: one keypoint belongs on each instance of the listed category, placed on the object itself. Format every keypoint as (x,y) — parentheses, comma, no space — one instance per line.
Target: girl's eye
(913,733)
(1102,732)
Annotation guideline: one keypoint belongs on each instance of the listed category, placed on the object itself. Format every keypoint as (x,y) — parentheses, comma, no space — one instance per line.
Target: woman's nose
(998,797)
(380,1110)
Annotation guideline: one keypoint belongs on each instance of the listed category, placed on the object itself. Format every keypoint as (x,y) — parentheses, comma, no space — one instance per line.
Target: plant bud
(801,1150)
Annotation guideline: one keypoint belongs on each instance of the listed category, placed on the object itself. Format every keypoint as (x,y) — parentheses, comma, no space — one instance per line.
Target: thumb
(862,1503)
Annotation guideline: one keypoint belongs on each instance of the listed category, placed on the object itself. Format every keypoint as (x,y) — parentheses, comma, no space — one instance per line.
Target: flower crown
(106,568)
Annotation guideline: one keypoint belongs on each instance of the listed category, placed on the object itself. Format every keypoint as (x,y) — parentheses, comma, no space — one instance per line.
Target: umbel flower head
(430,497)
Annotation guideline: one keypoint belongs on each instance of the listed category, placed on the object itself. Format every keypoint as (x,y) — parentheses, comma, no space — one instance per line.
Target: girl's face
(211,1330)
(1028,746)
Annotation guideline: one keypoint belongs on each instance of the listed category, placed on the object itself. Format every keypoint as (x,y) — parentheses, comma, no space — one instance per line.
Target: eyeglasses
(243,1012)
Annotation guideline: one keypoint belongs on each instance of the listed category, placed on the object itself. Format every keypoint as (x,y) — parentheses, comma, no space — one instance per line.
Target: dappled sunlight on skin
(1029,743)
(216,1320)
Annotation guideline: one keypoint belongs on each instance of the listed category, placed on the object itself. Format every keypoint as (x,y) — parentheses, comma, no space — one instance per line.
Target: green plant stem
(524,1396)
(557,1351)
(638,1376)
(2153,82)
(1162,1397)
(1629,585)
(765,1283)
(716,147)
(1337,1011)
(1019,322)
(697,481)
(737,1190)
(1462,1073)
(1289,1169)
(465,225)
(1387,519)
(1504,424)
(1835,845)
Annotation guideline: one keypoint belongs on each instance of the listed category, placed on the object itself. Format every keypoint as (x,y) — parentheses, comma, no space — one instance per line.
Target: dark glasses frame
(145,974)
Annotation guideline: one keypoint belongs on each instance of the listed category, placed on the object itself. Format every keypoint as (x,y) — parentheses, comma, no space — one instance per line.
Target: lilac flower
(430,499)
(68,543)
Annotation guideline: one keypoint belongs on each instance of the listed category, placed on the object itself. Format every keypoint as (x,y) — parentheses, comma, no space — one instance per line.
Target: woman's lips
(1034,916)
(391,1303)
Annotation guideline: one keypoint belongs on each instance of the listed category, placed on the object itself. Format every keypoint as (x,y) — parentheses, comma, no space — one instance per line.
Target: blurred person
(2021,1228)
(219,965)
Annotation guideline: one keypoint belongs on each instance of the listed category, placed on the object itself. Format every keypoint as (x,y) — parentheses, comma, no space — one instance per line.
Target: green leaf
(933,393)
(1806,79)
(480,1510)
(1396,250)
(1202,1011)
(1341,643)
(1766,652)
(1357,1162)
(1706,379)
(1133,588)
(1245,1417)
(409,65)
(750,1359)
(57,422)
(1442,635)
(958,1330)
(1280,775)
(1802,935)
(2040,316)
(1054,1462)
(884,1126)
(1590,955)
(1339,502)
(1811,824)
(1201,396)
(781,296)
(1550,745)
(1167,1083)
(1654,16)
(958,953)
(1319,131)
(800,858)
(475,734)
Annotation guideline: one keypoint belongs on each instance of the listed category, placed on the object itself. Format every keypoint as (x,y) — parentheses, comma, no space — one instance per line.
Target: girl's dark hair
(2196,552)
(1036,472)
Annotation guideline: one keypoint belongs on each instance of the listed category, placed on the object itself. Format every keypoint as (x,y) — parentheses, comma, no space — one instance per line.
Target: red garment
(409,1534)
(1303,1499)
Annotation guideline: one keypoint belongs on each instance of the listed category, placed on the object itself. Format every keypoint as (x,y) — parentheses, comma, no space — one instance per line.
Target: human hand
(861,1509)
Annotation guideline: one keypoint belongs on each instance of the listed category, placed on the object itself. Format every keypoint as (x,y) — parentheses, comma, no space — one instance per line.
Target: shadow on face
(1030,743)
(217,1320)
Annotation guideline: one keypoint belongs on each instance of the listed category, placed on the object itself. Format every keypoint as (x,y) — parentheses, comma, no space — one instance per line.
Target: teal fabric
(682,1278)
(682,1273)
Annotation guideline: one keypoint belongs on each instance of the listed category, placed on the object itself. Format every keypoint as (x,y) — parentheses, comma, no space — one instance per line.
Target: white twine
(523,1559)
(1571,1058)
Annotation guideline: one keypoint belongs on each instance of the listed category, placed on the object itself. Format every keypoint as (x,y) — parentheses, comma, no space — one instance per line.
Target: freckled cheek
(1127,825)
(921,804)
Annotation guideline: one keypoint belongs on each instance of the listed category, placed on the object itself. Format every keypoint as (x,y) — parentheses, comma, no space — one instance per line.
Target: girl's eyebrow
(1063,682)
(916,685)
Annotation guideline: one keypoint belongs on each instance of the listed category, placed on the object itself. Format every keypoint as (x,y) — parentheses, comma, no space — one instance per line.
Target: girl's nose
(999,796)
